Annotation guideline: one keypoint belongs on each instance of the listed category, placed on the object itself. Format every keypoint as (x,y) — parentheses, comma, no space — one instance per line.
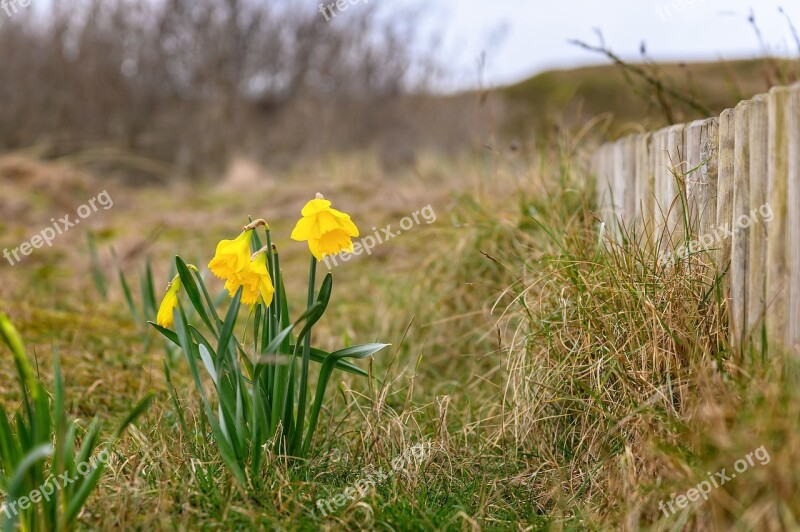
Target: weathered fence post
(644,181)
(701,149)
(676,190)
(661,180)
(727,144)
(740,247)
(793,218)
(757,261)
(777,243)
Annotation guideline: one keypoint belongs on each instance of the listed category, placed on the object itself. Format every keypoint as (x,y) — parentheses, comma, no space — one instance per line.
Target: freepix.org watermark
(714,481)
(665,11)
(329,11)
(53,485)
(707,241)
(59,227)
(412,455)
(369,242)
(11,7)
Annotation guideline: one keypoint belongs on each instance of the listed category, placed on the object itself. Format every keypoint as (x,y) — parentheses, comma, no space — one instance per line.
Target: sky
(524,37)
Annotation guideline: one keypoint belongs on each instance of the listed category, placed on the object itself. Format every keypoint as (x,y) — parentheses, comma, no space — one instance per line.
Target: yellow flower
(170,301)
(327,230)
(234,263)
(232,256)
(256,281)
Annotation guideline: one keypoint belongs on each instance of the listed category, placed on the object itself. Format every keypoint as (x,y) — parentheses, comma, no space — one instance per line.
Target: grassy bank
(542,374)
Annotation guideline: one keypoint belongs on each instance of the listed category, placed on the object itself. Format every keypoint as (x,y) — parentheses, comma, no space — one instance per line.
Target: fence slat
(676,189)
(777,285)
(740,249)
(793,219)
(709,154)
(619,189)
(661,179)
(644,180)
(693,176)
(629,169)
(757,254)
(727,144)
(603,182)
(701,147)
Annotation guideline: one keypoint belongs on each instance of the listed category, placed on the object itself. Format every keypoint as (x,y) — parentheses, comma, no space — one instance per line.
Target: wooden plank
(793,219)
(644,181)
(740,250)
(693,176)
(757,254)
(620,191)
(701,149)
(661,179)
(727,144)
(676,188)
(603,182)
(610,172)
(777,233)
(629,169)
(709,154)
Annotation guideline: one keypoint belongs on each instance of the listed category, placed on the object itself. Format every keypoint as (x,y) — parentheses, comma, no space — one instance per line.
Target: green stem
(301,407)
(324,375)
(279,385)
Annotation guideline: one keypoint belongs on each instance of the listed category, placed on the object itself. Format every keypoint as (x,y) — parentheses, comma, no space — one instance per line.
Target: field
(542,375)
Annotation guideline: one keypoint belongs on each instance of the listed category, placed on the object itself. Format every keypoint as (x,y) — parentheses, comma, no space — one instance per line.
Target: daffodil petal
(315,206)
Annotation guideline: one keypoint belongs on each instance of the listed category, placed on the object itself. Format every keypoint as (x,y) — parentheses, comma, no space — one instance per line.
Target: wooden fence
(726,189)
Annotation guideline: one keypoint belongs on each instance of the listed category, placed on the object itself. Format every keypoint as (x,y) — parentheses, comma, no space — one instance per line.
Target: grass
(562,379)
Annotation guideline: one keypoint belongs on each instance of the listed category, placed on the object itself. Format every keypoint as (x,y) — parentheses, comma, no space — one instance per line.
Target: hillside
(580,94)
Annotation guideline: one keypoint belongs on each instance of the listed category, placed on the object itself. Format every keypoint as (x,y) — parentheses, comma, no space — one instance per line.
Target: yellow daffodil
(327,230)
(255,280)
(234,263)
(170,301)
(232,256)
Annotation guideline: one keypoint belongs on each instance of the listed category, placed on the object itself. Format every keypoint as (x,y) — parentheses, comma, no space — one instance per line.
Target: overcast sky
(523,37)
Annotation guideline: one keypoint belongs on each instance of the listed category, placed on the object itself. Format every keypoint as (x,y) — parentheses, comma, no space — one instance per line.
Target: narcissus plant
(261,398)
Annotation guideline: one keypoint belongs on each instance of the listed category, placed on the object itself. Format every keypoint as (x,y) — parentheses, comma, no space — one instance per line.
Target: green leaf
(189,285)
(223,444)
(230,321)
(128,297)
(318,356)
(79,498)
(357,352)
(12,339)
(148,292)
(35,455)
(169,335)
